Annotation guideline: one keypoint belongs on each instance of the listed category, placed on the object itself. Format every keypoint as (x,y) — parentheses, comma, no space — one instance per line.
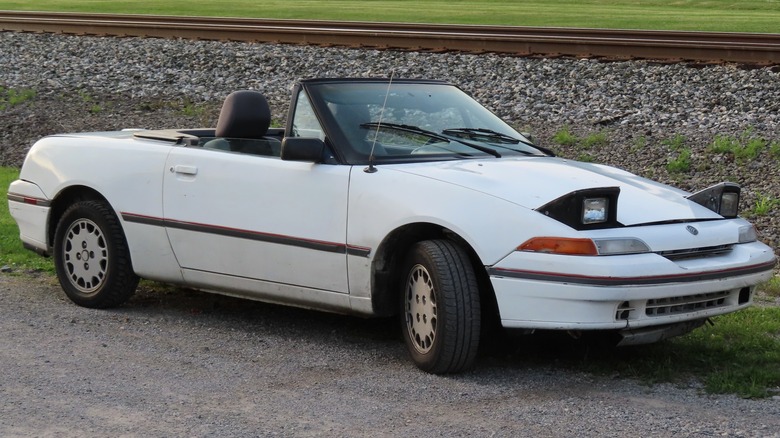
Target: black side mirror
(302,149)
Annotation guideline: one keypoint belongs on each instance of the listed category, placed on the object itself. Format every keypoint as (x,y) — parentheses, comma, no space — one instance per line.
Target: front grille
(690,303)
(624,311)
(678,254)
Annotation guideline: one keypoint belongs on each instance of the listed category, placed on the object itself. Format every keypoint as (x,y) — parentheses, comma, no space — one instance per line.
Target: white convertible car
(387,197)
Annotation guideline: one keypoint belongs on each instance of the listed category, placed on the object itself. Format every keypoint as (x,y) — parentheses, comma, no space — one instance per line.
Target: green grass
(638,144)
(564,137)
(710,15)
(764,205)
(190,109)
(675,143)
(772,287)
(10,97)
(743,148)
(596,139)
(681,163)
(774,150)
(585,158)
(740,355)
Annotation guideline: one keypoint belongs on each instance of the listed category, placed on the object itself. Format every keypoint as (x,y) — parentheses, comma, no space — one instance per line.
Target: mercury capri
(384,197)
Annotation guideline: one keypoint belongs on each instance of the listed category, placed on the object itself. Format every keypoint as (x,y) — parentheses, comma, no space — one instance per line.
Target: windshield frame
(333,98)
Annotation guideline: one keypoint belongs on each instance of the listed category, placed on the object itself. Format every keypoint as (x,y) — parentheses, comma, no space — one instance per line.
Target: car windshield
(412,121)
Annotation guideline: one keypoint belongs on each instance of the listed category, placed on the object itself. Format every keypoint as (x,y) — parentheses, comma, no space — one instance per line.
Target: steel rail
(751,48)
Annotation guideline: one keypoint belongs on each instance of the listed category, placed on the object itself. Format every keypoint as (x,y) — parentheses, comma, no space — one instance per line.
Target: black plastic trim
(631,281)
(299,242)
(567,209)
(29,200)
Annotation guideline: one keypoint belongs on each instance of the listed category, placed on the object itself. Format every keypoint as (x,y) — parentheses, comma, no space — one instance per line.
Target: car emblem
(692,230)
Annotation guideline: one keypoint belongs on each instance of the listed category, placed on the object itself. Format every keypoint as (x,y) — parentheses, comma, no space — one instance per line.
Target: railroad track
(747,48)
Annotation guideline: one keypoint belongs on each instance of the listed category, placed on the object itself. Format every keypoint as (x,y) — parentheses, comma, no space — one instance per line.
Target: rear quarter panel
(126,171)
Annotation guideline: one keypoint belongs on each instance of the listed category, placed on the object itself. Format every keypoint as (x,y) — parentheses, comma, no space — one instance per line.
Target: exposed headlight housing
(721,198)
(585,209)
(594,210)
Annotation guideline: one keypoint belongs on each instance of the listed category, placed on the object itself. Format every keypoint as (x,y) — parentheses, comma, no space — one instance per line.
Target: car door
(255,217)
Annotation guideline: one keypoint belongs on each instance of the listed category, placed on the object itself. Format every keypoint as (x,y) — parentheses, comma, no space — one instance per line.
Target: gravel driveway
(180,363)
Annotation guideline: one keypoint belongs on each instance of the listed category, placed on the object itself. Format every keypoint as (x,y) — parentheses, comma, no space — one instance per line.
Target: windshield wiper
(484,132)
(406,128)
(434,135)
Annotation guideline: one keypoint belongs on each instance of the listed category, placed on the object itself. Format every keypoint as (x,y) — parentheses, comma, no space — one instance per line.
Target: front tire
(440,307)
(91,256)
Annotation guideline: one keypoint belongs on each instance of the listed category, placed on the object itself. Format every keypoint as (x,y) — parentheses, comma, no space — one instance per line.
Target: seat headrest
(244,114)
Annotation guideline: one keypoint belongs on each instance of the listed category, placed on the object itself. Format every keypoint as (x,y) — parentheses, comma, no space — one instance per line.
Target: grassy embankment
(704,15)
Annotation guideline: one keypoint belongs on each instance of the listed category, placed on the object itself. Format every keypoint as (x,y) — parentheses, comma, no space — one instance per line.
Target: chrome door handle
(185,170)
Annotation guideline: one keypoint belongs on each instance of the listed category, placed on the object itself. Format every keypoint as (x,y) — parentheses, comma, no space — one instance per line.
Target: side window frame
(302,104)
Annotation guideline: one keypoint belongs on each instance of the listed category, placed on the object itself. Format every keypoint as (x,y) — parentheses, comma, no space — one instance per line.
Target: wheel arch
(388,263)
(64,199)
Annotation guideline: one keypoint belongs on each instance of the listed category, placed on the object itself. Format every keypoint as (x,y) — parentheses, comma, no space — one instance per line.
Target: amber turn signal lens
(560,245)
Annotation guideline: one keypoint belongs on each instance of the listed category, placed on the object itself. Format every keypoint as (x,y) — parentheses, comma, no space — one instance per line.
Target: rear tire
(440,307)
(91,256)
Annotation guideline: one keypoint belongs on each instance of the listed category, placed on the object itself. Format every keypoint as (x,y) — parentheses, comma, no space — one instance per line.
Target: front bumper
(625,292)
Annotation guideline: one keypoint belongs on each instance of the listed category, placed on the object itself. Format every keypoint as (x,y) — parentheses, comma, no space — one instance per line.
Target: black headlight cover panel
(712,198)
(568,208)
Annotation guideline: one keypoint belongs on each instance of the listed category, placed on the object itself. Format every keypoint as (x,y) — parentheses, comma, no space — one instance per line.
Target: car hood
(534,181)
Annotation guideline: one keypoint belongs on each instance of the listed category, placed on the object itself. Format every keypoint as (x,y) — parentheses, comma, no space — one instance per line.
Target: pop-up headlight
(721,198)
(729,204)
(585,209)
(594,210)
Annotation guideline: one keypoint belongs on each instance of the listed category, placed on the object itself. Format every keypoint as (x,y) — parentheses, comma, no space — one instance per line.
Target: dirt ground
(174,362)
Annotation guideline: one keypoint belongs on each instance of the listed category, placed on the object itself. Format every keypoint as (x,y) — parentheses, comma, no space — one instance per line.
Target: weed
(751,149)
(638,144)
(774,149)
(84,96)
(596,139)
(564,137)
(763,205)
(675,143)
(150,106)
(94,109)
(189,109)
(681,164)
(743,148)
(585,158)
(771,287)
(10,97)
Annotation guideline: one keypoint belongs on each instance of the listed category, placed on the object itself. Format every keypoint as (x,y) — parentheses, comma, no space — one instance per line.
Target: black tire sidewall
(440,358)
(113,290)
